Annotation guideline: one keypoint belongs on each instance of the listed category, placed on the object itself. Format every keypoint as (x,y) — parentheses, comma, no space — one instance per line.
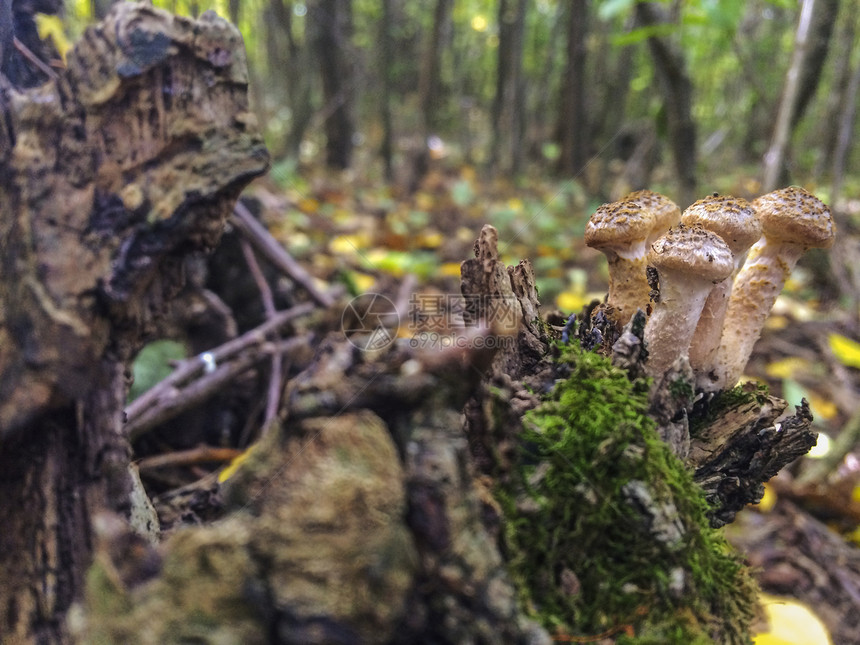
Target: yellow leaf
(822,408)
(786,367)
(791,623)
(424,201)
(308,205)
(348,244)
(52,27)
(429,240)
(234,465)
(572,301)
(847,351)
(450,269)
(768,500)
(363,282)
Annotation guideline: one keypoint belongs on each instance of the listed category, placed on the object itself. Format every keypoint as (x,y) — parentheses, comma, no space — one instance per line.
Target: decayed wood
(109,176)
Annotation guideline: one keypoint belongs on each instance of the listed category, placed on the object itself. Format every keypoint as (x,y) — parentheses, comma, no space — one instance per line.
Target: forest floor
(374,239)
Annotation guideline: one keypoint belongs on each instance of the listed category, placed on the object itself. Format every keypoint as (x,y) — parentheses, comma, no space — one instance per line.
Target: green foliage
(153,364)
(572,515)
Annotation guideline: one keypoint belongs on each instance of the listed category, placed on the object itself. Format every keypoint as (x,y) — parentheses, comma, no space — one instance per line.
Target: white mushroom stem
(735,221)
(671,326)
(709,330)
(689,261)
(753,295)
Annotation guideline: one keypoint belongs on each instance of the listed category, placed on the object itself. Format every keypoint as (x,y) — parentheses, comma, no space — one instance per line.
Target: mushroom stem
(627,281)
(793,220)
(753,295)
(674,319)
(735,221)
(689,261)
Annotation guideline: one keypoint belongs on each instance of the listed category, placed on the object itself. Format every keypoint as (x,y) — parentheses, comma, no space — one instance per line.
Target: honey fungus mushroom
(734,219)
(689,261)
(623,231)
(793,220)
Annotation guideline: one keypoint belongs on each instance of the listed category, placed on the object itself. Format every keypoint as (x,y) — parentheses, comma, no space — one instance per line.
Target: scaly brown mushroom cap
(692,249)
(796,216)
(620,228)
(622,231)
(732,218)
(689,261)
(666,212)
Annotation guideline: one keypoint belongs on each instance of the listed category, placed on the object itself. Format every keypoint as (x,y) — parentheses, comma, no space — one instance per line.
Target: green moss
(605,526)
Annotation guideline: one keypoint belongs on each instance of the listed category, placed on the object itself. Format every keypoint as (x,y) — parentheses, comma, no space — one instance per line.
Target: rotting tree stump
(110,176)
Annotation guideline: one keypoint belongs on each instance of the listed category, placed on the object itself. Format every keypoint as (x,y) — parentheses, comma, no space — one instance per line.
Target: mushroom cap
(633,219)
(666,212)
(795,215)
(617,224)
(693,251)
(732,218)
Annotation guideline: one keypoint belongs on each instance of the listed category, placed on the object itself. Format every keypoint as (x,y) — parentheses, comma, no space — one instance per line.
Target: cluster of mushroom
(720,266)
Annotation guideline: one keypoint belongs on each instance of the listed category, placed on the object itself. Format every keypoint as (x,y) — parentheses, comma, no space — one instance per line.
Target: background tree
(430,95)
(677,91)
(572,118)
(332,21)
(812,38)
(508,112)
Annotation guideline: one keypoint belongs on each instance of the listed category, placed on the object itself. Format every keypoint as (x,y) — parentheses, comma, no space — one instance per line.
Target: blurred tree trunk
(677,90)
(814,26)
(572,126)
(386,58)
(429,86)
(845,135)
(233,8)
(108,181)
(543,104)
(845,53)
(333,28)
(101,8)
(608,105)
(290,58)
(821,33)
(509,104)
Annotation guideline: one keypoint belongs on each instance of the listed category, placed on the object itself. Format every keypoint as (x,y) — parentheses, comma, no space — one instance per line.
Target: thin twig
(257,273)
(257,234)
(189,369)
(193,456)
(273,396)
(30,56)
(175,400)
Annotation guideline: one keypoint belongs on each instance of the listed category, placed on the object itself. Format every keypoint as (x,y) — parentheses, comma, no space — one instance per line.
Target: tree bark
(509,103)
(386,54)
(677,90)
(109,176)
(572,123)
(333,25)
(774,159)
(429,86)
